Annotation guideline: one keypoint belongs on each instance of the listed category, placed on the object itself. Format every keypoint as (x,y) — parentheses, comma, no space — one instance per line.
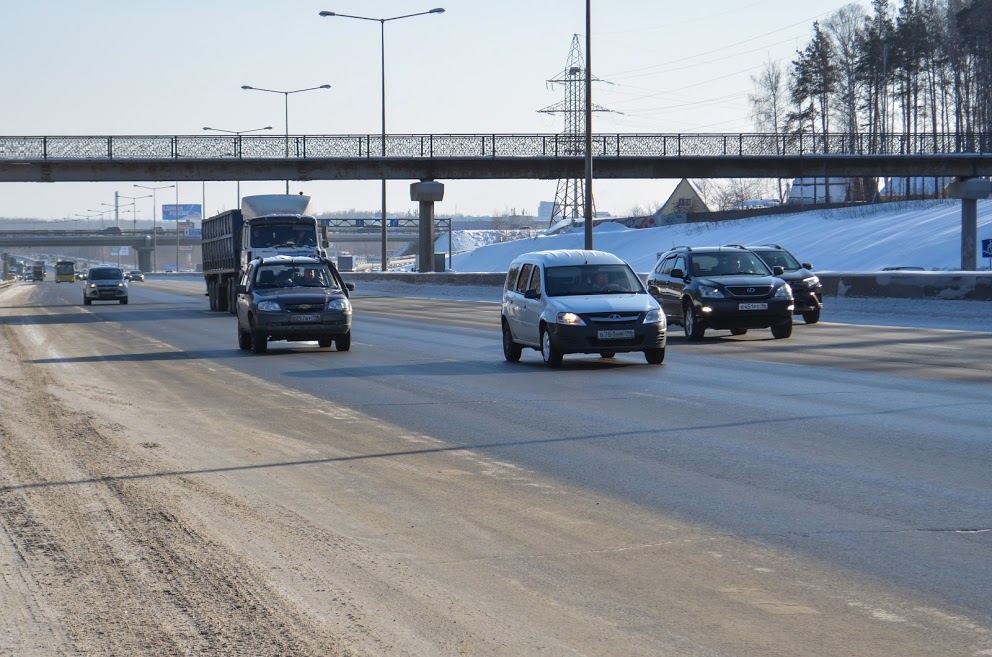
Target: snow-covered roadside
(920,313)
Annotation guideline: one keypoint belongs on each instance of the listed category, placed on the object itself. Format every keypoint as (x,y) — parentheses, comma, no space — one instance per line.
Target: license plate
(753,306)
(616,334)
(306,318)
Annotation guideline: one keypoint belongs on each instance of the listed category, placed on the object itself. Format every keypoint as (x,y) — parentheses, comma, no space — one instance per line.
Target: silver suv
(105,283)
(579,302)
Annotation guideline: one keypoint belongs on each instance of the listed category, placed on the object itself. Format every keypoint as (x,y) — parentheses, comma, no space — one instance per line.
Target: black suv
(806,288)
(293,298)
(721,287)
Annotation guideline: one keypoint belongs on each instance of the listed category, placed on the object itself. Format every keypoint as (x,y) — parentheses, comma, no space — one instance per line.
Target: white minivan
(573,301)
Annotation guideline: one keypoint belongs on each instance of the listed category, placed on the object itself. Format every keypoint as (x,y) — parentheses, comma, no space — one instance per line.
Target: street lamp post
(117,218)
(154,227)
(382,54)
(237,147)
(134,217)
(286,98)
(588,118)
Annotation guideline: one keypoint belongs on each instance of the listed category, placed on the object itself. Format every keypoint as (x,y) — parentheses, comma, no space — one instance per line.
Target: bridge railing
(430,146)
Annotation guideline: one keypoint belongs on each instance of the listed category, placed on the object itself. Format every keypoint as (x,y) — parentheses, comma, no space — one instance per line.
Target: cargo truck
(38,271)
(266,225)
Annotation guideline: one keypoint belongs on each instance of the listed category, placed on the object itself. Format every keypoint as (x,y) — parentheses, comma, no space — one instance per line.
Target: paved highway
(822,495)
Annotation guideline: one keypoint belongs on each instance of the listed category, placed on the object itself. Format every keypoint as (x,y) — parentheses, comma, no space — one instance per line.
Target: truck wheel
(212,295)
(259,341)
(343,342)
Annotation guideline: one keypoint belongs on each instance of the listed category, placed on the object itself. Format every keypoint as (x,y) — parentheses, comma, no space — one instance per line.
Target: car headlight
(784,292)
(571,319)
(269,306)
(340,304)
(654,316)
(812,281)
(710,292)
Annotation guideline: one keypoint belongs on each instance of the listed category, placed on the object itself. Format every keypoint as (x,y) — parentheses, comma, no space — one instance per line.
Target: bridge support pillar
(426,192)
(969,190)
(144,259)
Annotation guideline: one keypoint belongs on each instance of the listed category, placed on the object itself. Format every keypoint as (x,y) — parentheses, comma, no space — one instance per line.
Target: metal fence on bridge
(302,147)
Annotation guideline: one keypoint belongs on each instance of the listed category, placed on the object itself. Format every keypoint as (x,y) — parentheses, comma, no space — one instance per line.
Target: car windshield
(294,275)
(782,259)
(105,274)
(283,235)
(728,264)
(575,280)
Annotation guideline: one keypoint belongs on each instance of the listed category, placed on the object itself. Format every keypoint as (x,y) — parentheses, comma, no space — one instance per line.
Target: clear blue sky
(125,67)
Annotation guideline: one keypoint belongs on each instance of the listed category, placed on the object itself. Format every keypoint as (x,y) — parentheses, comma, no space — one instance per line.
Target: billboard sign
(181,212)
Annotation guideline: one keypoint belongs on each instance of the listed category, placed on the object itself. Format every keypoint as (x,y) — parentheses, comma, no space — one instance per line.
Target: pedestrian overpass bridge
(487,156)
(423,157)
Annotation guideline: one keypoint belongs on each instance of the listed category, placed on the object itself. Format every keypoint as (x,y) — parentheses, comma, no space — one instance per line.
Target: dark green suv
(721,287)
(293,298)
(806,288)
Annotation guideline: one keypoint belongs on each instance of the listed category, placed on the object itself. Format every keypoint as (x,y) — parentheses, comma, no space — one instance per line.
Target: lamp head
(327,13)
(245,86)
(436,10)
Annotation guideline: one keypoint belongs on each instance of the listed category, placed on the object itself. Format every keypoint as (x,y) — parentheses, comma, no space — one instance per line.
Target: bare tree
(768,106)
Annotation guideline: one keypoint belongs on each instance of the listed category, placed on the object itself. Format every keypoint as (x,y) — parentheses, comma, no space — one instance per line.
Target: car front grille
(615,319)
(749,291)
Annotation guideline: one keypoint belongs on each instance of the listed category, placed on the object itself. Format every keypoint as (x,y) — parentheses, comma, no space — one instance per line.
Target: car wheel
(552,357)
(812,317)
(782,330)
(244,339)
(87,301)
(511,350)
(694,329)
(607,354)
(738,331)
(324,343)
(343,342)
(124,301)
(258,340)
(654,356)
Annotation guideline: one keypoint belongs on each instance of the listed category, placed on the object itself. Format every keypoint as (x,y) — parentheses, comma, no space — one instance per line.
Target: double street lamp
(237,148)
(286,97)
(382,51)
(154,226)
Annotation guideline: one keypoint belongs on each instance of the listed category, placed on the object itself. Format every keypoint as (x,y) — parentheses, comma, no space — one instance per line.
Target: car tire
(607,354)
(812,317)
(324,343)
(552,357)
(124,301)
(259,342)
(511,350)
(738,331)
(654,356)
(244,339)
(87,301)
(782,330)
(343,342)
(694,329)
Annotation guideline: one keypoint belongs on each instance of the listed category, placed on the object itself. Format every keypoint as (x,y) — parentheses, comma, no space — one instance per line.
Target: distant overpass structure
(144,242)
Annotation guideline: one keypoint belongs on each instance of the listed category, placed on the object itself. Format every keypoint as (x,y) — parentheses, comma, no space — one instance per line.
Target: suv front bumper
(727,313)
(291,326)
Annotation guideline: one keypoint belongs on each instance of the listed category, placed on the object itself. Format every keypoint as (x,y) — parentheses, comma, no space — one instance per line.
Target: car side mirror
(777,271)
(654,290)
(240,289)
(808,266)
(532,294)
(677,273)
(350,287)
